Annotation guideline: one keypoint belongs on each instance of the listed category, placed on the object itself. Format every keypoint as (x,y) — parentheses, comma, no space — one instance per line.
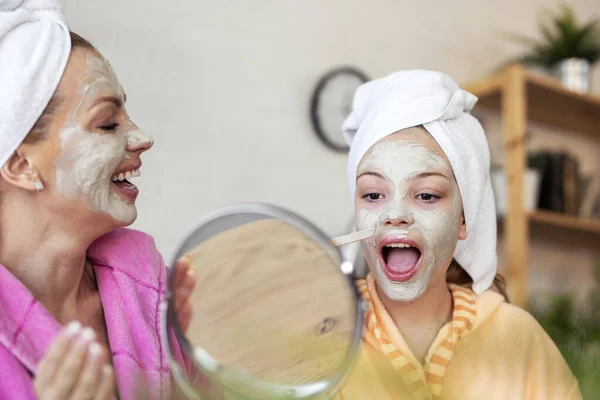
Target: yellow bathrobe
(491,350)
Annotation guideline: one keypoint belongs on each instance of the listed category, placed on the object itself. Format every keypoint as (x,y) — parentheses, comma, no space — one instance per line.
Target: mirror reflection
(270,302)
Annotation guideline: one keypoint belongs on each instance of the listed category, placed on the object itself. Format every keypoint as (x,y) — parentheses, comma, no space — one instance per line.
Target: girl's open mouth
(400,258)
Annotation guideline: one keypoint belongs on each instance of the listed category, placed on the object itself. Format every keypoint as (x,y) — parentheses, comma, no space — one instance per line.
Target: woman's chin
(124,224)
(119,215)
(123,221)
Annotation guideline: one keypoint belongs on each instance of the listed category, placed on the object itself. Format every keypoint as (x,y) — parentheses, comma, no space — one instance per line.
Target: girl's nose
(397,219)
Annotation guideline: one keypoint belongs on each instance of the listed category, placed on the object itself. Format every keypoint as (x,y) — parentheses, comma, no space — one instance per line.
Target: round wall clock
(331,103)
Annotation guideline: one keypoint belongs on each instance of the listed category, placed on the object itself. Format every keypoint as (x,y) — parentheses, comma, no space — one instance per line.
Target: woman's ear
(18,171)
(462,230)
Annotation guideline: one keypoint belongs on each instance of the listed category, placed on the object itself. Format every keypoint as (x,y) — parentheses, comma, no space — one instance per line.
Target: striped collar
(424,382)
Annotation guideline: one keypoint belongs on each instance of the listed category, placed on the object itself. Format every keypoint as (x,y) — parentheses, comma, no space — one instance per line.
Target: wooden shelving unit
(521,96)
(566,221)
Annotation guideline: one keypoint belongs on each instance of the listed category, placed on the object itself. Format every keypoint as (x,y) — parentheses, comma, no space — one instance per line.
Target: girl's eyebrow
(424,175)
(378,175)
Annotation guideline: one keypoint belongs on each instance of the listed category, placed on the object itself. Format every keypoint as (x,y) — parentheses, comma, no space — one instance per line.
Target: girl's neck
(420,320)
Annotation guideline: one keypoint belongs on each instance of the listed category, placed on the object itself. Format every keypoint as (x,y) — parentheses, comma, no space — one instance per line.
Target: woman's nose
(138,142)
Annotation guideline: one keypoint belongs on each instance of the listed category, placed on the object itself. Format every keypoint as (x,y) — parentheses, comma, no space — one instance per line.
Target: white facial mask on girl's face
(88,160)
(434,228)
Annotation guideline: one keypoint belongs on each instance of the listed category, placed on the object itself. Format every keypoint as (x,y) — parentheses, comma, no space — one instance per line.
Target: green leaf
(562,37)
(589,37)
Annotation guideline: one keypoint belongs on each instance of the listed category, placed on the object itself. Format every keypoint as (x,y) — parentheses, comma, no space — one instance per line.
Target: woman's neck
(420,320)
(49,258)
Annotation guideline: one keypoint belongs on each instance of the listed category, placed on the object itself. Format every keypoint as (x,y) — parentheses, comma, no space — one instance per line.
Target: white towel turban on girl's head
(411,98)
(34,50)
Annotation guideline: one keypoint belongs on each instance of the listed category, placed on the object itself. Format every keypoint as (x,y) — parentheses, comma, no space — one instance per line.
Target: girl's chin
(400,292)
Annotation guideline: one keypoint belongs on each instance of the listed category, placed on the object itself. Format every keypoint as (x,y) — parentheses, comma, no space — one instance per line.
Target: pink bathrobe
(132,280)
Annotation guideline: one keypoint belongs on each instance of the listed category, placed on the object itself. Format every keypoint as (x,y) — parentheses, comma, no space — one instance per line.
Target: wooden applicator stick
(352,237)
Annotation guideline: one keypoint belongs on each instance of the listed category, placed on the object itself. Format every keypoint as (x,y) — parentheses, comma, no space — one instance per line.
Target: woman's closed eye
(109,127)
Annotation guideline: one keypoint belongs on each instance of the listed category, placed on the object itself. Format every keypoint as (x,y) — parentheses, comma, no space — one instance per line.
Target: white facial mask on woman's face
(88,160)
(434,227)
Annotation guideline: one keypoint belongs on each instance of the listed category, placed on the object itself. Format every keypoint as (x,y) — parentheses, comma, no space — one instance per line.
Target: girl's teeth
(128,175)
(398,245)
(114,178)
(121,176)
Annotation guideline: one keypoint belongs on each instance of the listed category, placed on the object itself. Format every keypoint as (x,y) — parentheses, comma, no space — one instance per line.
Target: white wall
(224,88)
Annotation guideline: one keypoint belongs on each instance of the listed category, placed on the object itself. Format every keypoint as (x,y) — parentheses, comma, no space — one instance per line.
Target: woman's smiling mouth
(120,181)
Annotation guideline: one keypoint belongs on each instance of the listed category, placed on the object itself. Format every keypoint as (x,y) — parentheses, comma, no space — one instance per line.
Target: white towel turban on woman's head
(34,50)
(411,98)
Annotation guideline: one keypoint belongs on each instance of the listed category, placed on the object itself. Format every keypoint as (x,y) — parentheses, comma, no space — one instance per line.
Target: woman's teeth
(125,175)
(398,245)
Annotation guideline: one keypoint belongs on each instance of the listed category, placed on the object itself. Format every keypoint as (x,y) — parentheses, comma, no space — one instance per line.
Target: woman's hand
(185,280)
(74,368)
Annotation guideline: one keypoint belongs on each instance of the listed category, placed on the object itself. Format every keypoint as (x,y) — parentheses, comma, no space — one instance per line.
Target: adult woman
(419,174)
(68,149)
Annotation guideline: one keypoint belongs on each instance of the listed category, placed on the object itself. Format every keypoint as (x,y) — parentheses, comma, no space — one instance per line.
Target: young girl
(436,329)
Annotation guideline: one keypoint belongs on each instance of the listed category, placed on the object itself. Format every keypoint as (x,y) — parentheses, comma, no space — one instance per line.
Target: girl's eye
(372,196)
(111,127)
(427,197)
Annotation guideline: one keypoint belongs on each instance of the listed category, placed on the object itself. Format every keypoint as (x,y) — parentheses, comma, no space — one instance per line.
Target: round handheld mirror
(276,313)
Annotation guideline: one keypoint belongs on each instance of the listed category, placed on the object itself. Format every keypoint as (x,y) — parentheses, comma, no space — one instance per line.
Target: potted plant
(567,49)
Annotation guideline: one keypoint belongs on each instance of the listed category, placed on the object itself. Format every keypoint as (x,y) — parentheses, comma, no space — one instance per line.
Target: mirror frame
(210,367)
